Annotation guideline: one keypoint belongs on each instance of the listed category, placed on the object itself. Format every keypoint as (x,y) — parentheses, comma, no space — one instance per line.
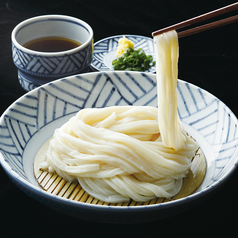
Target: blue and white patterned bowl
(105,51)
(32,119)
(36,68)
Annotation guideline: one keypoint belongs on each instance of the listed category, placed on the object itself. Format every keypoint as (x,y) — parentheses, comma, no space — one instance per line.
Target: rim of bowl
(37,190)
(47,17)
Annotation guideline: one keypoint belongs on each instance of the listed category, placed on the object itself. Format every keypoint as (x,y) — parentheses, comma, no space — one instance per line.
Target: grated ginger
(123,44)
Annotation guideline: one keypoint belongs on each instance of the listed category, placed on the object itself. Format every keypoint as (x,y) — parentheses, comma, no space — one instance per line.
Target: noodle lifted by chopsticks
(128,152)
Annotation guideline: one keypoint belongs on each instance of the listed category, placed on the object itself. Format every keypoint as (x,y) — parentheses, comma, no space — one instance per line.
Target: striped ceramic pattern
(52,66)
(198,109)
(27,84)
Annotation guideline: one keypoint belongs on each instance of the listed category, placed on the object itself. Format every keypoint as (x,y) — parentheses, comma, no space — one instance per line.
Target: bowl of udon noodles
(118,146)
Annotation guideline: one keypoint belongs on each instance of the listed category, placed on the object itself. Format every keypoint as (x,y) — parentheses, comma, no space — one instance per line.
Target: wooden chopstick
(209,26)
(200,18)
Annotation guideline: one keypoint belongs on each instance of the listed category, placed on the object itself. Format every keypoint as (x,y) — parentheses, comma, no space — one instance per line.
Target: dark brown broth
(51,44)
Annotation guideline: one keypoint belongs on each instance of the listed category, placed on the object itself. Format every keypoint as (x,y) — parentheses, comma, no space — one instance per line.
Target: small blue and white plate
(105,51)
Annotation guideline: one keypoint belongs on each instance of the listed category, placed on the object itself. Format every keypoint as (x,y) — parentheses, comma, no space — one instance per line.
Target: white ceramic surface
(32,119)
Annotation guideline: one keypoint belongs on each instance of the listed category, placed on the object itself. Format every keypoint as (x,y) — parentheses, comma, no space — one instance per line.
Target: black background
(207,59)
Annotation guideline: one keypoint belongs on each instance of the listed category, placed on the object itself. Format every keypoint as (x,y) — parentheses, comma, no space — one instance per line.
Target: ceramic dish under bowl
(104,51)
(29,122)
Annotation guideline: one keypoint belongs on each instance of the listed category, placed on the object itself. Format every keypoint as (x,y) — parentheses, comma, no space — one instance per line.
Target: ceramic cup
(36,68)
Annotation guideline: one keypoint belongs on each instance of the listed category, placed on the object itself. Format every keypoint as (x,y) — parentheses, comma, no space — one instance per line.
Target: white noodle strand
(128,152)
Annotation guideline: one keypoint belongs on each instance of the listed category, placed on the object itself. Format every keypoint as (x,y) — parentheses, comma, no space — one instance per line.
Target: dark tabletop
(208,60)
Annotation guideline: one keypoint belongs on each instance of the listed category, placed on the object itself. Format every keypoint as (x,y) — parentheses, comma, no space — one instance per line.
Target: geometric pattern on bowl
(208,119)
(31,120)
(52,66)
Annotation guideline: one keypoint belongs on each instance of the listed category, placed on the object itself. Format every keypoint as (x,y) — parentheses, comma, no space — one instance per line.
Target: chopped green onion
(133,60)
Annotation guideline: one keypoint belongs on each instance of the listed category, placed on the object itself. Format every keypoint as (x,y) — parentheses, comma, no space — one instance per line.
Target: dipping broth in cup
(52,44)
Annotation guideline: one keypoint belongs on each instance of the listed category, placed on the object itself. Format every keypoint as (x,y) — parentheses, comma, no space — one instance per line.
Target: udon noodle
(128,152)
